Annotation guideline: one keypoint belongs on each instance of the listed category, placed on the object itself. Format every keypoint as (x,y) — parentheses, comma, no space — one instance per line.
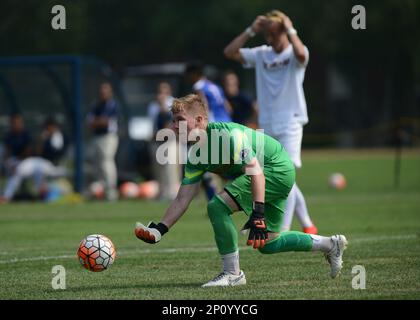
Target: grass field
(381,223)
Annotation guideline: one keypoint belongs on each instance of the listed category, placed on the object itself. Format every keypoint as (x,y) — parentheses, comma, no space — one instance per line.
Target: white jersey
(38,165)
(35,167)
(279,82)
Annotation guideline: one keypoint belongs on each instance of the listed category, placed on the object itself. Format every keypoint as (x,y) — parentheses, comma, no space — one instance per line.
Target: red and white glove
(258,233)
(152,233)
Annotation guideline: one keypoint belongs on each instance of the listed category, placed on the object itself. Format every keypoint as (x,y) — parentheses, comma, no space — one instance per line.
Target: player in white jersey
(280,70)
(38,169)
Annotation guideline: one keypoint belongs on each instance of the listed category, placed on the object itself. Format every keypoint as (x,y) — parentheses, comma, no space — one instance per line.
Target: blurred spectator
(53,142)
(219,108)
(163,102)
(35,168)
(212,94)
(18,143)
(244,110)
(168,175)
(103,123)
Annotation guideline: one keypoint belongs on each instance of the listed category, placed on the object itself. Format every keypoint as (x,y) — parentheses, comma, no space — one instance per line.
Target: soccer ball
(337,181)
(96,253)
(149,189)
(129,190)
(97,190)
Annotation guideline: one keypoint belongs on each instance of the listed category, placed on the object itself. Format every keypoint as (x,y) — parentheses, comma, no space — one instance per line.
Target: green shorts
(277,187)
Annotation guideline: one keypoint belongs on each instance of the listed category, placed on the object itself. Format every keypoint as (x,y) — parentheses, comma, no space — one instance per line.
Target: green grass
(382,225)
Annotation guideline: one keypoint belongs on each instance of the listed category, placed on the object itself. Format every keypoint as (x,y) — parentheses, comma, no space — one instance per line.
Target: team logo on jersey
(244,154)
(276,64)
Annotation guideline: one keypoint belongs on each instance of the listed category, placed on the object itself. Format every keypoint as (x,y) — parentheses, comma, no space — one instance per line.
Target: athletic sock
(289,209)
(224,229)
(231,263)
(320,243)
(288,241)
(301,211)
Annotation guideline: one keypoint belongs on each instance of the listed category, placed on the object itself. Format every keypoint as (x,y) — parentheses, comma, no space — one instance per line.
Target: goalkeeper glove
(152,233)
(258,233)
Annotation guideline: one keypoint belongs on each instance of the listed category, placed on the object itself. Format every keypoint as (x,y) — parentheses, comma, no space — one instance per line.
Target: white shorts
(291,139)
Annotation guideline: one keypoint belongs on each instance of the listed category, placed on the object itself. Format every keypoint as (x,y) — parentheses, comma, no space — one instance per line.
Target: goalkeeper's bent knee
(224,229)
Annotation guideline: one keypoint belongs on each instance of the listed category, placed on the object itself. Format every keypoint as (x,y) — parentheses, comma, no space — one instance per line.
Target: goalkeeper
(263,177)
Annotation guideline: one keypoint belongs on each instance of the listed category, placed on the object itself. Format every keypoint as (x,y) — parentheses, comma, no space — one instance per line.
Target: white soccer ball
(337,181)
(96,253)
(97,190)
(129,190)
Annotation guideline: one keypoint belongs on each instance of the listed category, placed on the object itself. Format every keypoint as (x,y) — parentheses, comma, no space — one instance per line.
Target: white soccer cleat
(226,279)
(335,255)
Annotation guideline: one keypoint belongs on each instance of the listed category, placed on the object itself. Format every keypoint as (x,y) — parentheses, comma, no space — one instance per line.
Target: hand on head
(259,24)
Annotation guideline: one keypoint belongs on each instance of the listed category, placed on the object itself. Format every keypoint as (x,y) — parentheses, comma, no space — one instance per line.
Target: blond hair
(192,104)
(275,16)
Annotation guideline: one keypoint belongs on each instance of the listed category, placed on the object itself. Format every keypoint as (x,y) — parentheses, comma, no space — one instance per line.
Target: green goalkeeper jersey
(226,149)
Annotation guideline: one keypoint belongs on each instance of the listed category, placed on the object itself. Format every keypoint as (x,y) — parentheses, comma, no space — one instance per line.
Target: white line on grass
(381,238)
(194,249)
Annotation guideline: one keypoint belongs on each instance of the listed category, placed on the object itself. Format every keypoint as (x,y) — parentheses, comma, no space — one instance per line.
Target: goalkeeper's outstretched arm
(180,204)
(254,170)
(258,233)
(152,233)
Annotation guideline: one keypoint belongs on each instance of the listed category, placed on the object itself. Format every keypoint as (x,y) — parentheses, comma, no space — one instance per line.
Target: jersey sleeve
(305,63)
(191,174)
(241,147)
(250,56)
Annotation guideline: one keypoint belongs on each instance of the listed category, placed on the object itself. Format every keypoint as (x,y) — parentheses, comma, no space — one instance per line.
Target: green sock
(288,241)
(224,229)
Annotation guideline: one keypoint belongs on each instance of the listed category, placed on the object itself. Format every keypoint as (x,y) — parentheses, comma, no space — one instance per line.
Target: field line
(195,249)
(380,238)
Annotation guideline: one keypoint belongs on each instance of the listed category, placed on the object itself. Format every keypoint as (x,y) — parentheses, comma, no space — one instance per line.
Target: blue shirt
(18,143)
(242,108)
(107,109)
(215,99)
